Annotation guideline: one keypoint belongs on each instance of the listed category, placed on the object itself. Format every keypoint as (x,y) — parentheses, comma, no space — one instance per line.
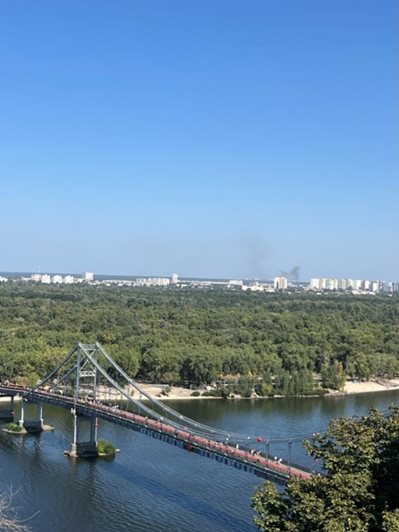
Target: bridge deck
(229,454)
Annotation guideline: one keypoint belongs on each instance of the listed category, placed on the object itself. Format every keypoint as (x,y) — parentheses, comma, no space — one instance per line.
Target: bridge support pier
(7,414)
(34,424)
(86,448)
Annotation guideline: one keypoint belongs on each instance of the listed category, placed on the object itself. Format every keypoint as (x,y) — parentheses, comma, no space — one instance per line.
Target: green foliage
(13,427)
(333,376)
(296,384)
(196,393)
(264,389)
(244,387)
(217,392)
(193,336)
(360,488)
(106,447)
(200,368)
(391,521)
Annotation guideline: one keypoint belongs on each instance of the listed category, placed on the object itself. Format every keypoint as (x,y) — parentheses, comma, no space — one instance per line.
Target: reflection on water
(152,486)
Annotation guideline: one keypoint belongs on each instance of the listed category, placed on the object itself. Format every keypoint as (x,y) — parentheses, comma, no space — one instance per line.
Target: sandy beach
(371,386)
(179,393)
(350,388)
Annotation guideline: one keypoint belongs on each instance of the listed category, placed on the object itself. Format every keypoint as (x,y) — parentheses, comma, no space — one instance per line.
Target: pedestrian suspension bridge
(90,384)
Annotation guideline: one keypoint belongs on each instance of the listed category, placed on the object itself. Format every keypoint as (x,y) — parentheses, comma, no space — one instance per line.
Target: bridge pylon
(80,378)
(86,447)
(86,380)
(31,424)
(7,413)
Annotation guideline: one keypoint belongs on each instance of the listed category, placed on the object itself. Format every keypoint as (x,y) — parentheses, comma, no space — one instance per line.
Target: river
(153,486)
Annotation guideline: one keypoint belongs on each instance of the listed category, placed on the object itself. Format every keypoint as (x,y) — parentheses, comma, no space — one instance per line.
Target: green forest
(278,343)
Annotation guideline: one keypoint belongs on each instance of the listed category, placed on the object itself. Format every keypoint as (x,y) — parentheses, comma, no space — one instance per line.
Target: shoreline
(179,393)
(351,388)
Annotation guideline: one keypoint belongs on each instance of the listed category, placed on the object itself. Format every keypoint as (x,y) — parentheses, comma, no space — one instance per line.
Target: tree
(200,368)
(245,387)
(333,376)
(9,520)
(358,491)
(152,332)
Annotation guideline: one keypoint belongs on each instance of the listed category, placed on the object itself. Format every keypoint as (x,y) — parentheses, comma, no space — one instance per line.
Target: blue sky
(213,138)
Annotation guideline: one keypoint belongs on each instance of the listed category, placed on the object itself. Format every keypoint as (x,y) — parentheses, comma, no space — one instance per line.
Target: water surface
(153,486)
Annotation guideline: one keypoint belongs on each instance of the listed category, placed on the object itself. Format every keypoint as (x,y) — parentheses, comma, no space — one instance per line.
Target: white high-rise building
(323,283)
(315,283)
(45,279)
(357,284)
(391,286)
(280,283)
(375,286)
(235,282)
(68,279)
(161,281)
(175,278)
(383,286)
(366,285)
(56,279)
(332,284)
(89,277)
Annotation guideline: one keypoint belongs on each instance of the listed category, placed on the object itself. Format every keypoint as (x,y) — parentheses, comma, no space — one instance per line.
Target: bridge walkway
(225,452)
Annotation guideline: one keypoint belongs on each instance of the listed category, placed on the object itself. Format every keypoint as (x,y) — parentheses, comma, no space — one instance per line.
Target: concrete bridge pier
(34,424)
(87,448)
(7,414)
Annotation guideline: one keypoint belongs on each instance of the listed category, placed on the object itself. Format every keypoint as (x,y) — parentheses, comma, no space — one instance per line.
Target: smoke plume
(292,275)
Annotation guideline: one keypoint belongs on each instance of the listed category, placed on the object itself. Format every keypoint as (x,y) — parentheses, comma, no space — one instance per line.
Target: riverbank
(351,388)
(370,386)
(176,393)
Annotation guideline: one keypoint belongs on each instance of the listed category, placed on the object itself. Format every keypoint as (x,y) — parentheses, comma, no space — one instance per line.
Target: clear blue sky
(207,137)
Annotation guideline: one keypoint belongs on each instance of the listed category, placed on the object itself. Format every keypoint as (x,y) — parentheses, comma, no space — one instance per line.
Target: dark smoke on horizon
(292,275)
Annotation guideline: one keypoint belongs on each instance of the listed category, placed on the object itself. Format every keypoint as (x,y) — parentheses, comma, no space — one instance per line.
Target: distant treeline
(196,336)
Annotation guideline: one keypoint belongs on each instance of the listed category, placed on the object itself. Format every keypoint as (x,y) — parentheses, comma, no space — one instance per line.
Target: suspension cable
(205,428)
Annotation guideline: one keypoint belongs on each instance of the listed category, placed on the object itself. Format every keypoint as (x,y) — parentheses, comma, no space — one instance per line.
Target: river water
(153,486)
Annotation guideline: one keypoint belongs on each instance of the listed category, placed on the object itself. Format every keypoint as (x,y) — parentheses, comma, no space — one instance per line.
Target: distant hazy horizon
(212,139)
(132,276)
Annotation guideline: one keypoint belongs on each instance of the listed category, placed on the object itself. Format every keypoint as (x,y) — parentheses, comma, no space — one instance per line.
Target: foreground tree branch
(9,520)
(359,488)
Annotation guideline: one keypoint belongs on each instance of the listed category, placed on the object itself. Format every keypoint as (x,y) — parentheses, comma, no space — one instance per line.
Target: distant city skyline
(68,277)
(218,140)
(279,284)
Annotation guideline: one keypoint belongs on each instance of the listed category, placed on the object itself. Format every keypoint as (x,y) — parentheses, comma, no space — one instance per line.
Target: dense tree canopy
(173,335)
(358,491)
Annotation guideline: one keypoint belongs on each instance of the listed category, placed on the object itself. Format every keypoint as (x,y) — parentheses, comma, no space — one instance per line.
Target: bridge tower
(84,443)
